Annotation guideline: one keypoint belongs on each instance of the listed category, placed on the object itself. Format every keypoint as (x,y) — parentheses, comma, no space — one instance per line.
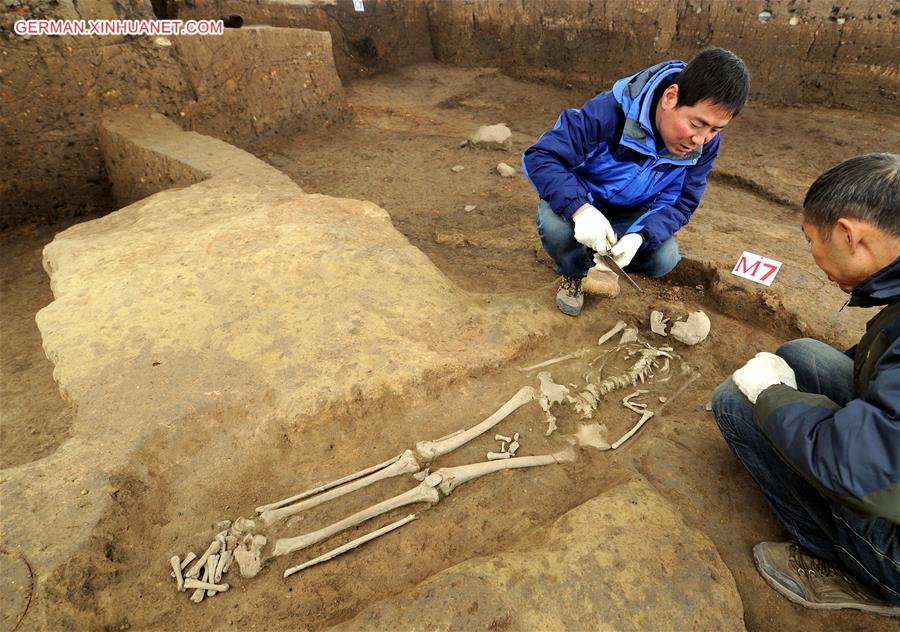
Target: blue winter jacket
(605,153)
(851,452)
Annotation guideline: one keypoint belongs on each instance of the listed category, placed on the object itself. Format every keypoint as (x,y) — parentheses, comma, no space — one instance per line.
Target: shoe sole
(568,310)
(793,597)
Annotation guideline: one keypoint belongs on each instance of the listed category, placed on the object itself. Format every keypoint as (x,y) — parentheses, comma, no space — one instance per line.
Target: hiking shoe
(813,582)
(570,296)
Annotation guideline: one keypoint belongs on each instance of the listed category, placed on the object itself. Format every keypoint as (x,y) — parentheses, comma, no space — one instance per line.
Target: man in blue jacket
(624,172)
(825,445)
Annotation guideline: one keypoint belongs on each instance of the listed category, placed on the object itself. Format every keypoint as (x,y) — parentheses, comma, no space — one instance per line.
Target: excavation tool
(609,261)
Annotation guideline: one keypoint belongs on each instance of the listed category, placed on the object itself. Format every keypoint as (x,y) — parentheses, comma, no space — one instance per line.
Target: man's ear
(669,98)
(849,232)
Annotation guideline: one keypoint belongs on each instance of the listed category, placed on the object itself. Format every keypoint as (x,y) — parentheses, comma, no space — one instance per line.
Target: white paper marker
(358,5)
(756,268)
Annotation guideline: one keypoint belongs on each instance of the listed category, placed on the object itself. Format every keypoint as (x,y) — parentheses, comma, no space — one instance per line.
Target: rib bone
(350,545)
(430,450)
(326,486)
(644,417)
(406,463)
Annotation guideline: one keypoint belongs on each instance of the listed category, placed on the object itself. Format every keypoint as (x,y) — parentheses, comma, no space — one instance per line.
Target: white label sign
(756,268)
(358,5)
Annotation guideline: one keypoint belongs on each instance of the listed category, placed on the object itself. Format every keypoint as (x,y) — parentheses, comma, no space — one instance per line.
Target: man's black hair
(717,75)
(863,187)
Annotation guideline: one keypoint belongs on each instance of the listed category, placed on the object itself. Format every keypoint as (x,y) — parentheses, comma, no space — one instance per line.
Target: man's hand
(593,229)
(762,371)
(624,251)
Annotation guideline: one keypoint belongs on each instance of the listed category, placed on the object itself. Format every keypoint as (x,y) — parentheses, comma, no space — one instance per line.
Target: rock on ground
(505,170)
(623,560)
(492,137)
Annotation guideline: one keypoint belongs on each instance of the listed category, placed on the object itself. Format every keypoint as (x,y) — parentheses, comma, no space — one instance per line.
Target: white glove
(600,263)
(624,251)
(593,229)
(762,371)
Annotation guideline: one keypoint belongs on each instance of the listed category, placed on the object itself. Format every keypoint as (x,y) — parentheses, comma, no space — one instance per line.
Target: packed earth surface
(532,539)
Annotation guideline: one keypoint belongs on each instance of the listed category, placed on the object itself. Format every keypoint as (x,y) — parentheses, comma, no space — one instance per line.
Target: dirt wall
(386,34)
(799,51)
(239,86)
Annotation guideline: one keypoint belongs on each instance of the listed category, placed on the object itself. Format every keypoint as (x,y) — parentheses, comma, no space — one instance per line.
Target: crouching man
(819,430)
(624,172)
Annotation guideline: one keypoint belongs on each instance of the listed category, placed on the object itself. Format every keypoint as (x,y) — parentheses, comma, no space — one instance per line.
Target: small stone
(794,21)
(492,137)
(468,208)
(84,492)
(662,399)
(699,287)
(457,168)
(505,170)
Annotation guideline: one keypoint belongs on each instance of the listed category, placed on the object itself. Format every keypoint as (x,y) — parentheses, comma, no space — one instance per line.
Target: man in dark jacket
(825,445)
(633,162)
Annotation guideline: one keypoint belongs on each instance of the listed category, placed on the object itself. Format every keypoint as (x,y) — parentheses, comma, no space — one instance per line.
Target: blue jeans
(573,259)
(867,547)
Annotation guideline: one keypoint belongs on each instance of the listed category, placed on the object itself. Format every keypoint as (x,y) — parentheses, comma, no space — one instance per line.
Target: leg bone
(326,486)
(430,450)
(350,545)
(406,463)
(445,480)
(424,492)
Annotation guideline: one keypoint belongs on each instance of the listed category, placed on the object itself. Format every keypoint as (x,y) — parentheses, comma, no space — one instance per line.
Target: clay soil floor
(397,151)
